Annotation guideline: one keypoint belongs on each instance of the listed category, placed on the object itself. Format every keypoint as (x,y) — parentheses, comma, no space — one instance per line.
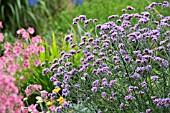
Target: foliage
(16,15)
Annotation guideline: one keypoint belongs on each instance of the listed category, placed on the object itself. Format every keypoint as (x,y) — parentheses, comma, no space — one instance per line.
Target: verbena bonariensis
(124,65)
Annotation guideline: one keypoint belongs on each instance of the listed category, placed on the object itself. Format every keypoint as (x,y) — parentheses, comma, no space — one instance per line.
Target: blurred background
(48,16)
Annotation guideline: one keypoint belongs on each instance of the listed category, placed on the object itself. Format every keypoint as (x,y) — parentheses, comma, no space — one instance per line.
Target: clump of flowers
(16,58)
(51,102)
(124,64)
(10,102)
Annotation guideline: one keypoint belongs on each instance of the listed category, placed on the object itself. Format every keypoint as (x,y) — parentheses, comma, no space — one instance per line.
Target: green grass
(100,9)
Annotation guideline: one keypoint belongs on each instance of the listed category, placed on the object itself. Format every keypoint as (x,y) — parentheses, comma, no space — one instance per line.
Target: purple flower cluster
(129,97)
(124,61)
(162,102)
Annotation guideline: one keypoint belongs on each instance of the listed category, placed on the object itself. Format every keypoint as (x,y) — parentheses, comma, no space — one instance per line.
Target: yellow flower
(61,100)
(56,90)
(49,103)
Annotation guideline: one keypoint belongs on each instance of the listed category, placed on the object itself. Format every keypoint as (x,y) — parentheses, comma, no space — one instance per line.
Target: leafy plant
(124,64)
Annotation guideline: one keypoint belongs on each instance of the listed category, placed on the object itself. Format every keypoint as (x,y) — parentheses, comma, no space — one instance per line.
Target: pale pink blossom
(1,72)
(19,44)
(21,31)
(26,54)
(17,50)
(1,64)
(1,37)
(32,109)
(9,55)
(31,30)
(37,39)
(41,48)
(11,68)
(10,100)
(37,63)
(7,46)
(25,35)
(26,63)
(22,77)
(52,108)
(24,110)
(33,49)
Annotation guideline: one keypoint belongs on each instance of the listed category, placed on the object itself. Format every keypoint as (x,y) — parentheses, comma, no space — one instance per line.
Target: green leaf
(156,71)
(17,16)
(54,45)
(32,16)
(91,30)
(2,12)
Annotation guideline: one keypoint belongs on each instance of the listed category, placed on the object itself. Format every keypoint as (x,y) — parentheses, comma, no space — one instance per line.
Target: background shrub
(21,13)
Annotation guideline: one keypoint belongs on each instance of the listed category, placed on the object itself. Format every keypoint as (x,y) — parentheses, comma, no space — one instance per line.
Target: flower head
(56,90)
(61,100)
(49,103)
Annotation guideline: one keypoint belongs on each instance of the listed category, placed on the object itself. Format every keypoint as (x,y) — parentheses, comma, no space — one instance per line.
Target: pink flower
(26,63)
(31,30)
(7,46)
(1,27)
(32,49)
(37,63)
(17,50)
(25,35)
(24,110)
(3,60)
(22,77)
(41,48)
(37,39)
(52,108)
(21,31)
(11,68)
(9,55)
(1,72)
(10,100)
(19,44)
(32,108)
(1,37)
(25,54)
(1,64)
